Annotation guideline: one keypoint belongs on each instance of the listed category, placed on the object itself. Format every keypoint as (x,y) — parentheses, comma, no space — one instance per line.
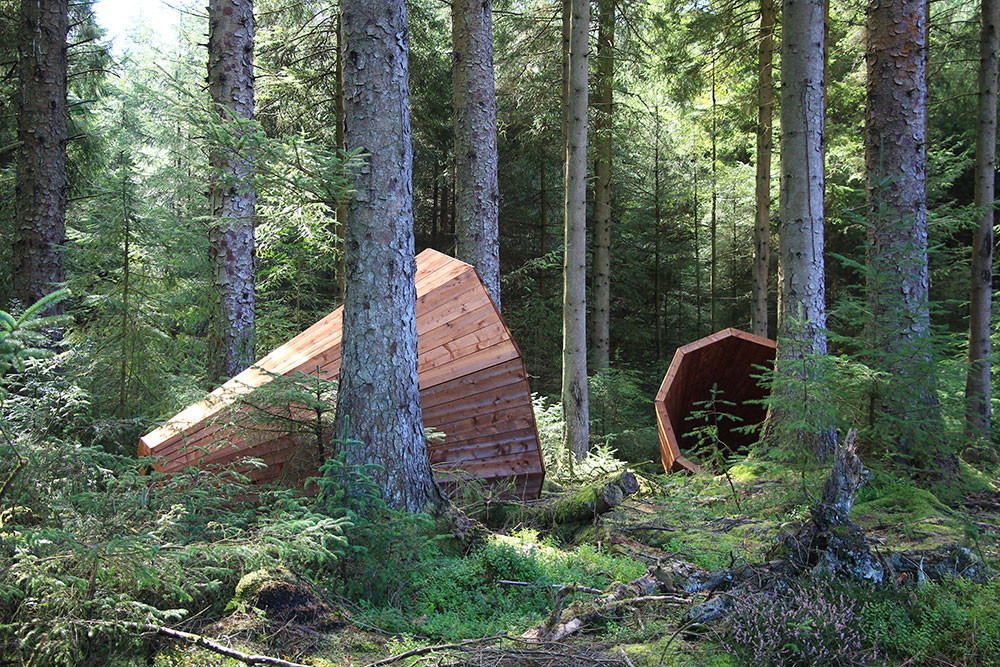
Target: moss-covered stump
(283,597)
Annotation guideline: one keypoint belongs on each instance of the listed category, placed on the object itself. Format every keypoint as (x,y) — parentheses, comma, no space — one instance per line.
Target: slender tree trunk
(477,195)
(445,211)
(40,183)
(435,204)
(697,254)
(762,192)
(567,25)
(713,285)
(342,206)
(801,306)
(379,401)
(232,197)
(895,137)
(658,226)
(977,385)
(543,213)
(733,262)
(575,402)
(603,127)
(126,283)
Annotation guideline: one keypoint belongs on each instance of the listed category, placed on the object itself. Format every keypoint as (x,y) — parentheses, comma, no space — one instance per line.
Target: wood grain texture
(473,389)
(729,358)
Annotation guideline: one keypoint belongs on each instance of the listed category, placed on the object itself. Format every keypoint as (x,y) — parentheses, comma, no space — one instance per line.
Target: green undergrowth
(453,597)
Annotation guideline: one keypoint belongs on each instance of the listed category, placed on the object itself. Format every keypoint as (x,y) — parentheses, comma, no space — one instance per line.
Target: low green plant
(710,418)
(950,622)
(600,459)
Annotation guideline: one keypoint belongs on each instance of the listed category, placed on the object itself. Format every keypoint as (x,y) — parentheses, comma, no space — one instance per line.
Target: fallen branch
(206,643)
(582,589)
(560,625)
(430,649)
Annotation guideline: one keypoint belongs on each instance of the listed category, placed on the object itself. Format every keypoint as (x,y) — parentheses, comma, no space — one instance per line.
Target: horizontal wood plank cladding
(490,377)
(472,382)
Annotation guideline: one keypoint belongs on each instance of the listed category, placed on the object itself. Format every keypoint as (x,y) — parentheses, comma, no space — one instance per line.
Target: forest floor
(473,606)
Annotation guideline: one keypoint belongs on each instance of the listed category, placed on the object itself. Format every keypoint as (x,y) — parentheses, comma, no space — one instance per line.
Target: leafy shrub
(799,625)
(954,621)
(100,544)
(558,466)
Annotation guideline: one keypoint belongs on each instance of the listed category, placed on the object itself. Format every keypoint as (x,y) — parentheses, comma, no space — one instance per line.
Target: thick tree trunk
(977,385)
(906,408)
(378,401)
(40,199)
(477,195)
(603,127)
(575,402)
(801,304)
(232,197)
(762,192)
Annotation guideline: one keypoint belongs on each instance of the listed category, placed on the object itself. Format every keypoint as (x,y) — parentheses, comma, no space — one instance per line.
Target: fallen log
(568,509)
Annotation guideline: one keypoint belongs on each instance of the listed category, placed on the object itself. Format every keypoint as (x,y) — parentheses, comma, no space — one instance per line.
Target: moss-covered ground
(447,596)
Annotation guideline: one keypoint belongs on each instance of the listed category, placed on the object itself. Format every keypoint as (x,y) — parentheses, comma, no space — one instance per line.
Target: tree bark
(906,406)
(232,197)
(713,284)
(379,402)
(477,194)
(342,206)
(762,192)
(801,304)
(658,231)
(977,385)
(603,127)
(40,199)
(697,253)
(575,402)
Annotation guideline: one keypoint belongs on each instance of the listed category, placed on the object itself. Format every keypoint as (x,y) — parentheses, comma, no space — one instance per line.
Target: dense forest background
(94,545)
(682,252)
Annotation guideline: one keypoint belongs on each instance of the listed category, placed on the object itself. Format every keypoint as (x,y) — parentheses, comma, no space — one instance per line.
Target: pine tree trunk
(762,192)
(477,197)
(40,199)
(378,400)
(575,402)
(713,277)
(802,293)
(232,197)
(895,145)
(603,128)
(658,231)
(977,386)
(697,254)
(342,206)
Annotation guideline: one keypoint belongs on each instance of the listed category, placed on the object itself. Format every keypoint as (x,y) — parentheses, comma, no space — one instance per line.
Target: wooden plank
(467,365)
(492,377)
(466,356)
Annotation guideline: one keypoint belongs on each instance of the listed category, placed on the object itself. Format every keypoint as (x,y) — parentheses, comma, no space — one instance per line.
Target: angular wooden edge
(670,451)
